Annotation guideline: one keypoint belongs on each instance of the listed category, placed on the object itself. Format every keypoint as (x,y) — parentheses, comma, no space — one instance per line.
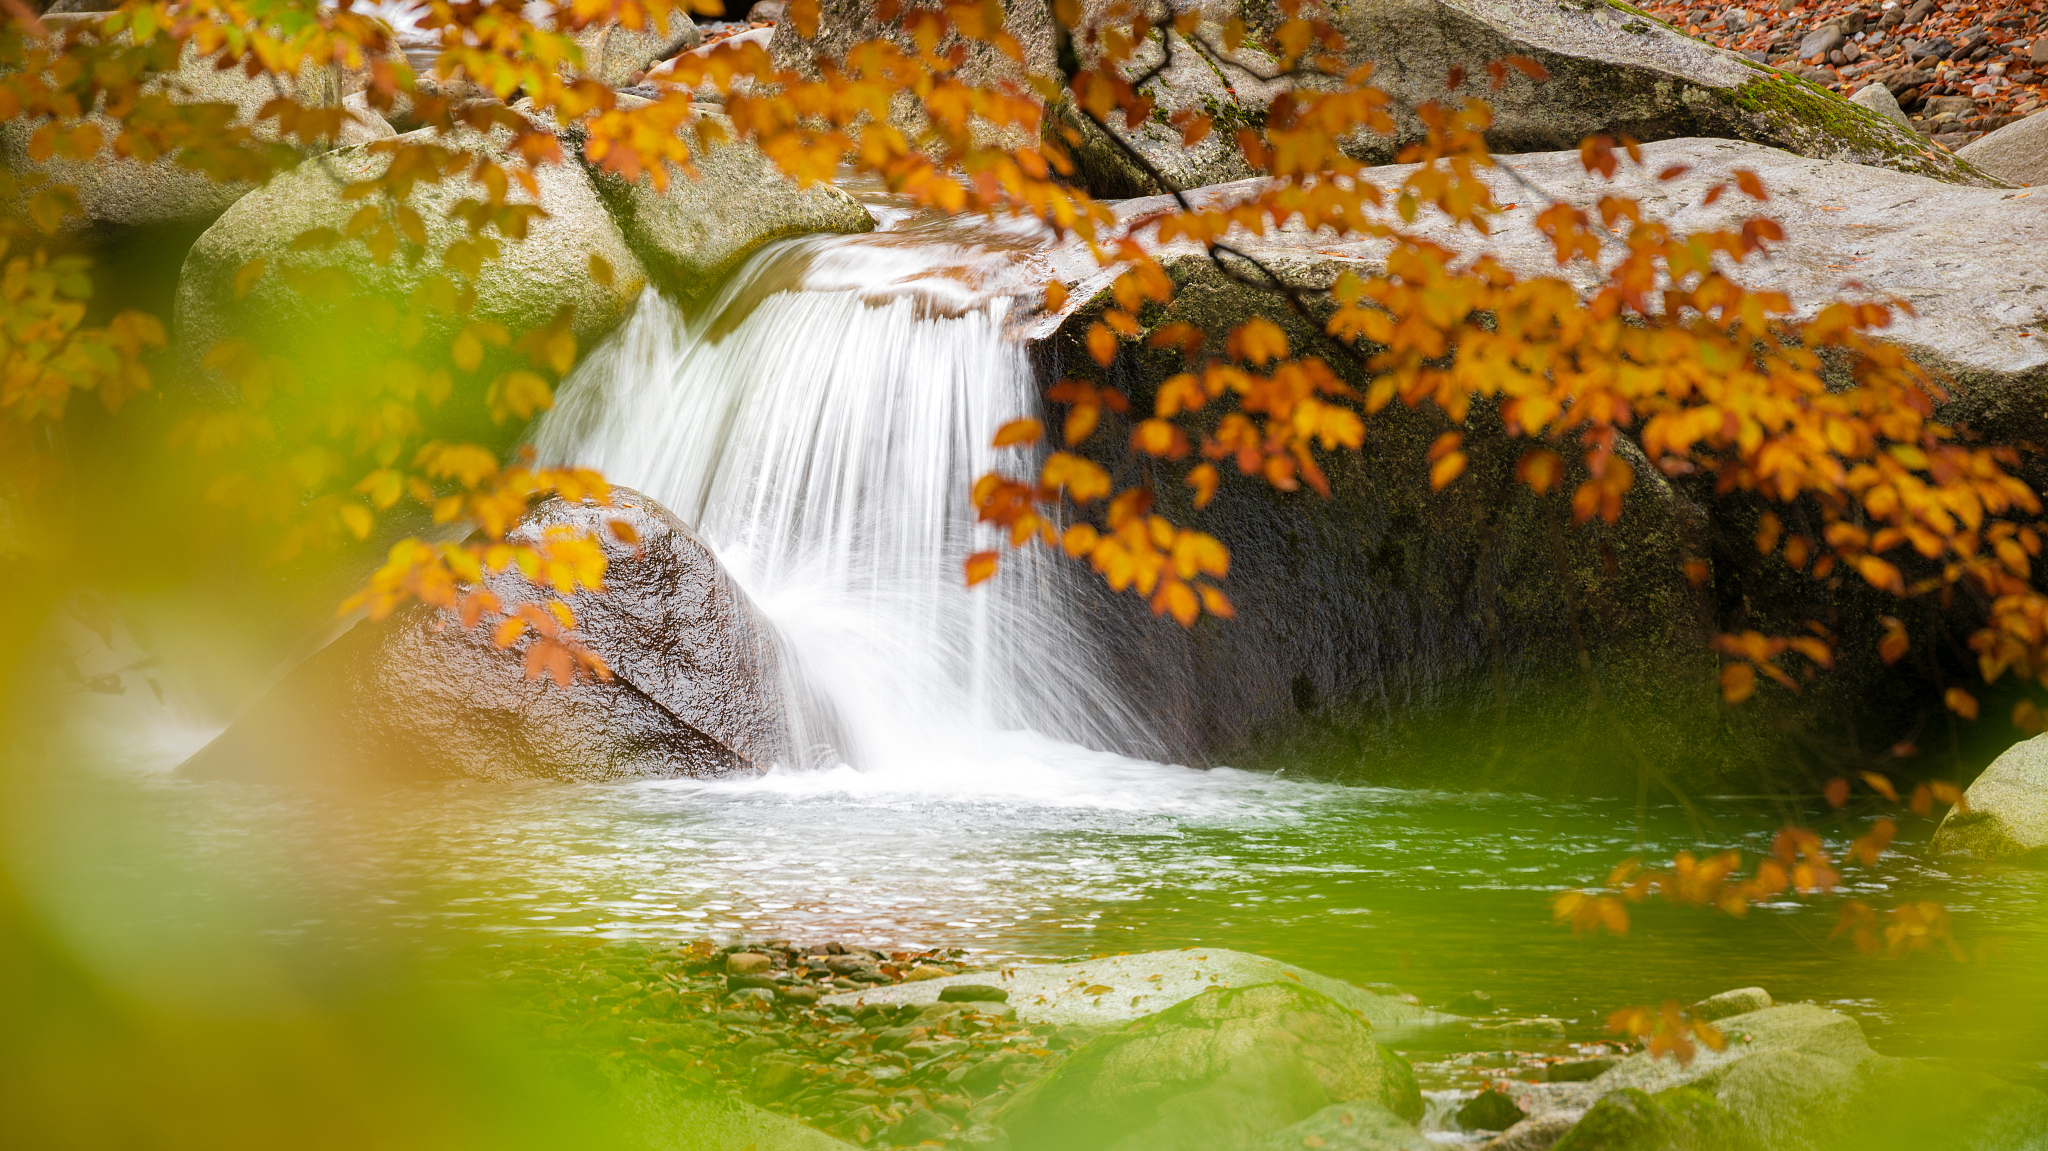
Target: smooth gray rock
(1218,1071)
(1740,1001)
(524,287)
(2007,816)
(615,55)
(1103,992)
(696,231)
(1880,100)
(696,687)
(2016,153)
(113,190)
(1820,42)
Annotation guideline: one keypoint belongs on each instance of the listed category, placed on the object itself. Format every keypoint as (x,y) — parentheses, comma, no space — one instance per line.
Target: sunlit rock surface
(1101,992)
(1221,1069)
(695,690)
(2004,815)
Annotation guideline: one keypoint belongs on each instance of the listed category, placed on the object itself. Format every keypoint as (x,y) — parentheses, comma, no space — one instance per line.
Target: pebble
(747,963)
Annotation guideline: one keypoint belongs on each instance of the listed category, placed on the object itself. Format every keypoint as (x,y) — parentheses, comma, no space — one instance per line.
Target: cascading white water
(820,425)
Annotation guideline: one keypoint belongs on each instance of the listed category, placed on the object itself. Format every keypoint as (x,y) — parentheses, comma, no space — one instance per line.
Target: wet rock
(1220,1069)
(695,688)
(1360,1125)
(2004,814)
(1101,992)
(1631,1119)
(767,981)
(1489,1111)
(920,1126)
(2016,153)
(1471,1003)
(698,229)
(923,972)
(750,996)
(747,963)
(1381,624)
(1740,1001)
(972,993)
(1578,1070)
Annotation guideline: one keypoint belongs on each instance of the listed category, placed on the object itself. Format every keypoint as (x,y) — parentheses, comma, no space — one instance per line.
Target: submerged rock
(2004,814)
(695,688)
(1218,1071)
(1103,992)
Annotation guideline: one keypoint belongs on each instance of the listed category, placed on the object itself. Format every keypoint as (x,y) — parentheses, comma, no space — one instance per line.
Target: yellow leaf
(1449,468)
(1024,431)
(1101,343)
(357,519)
(980,566)
(1738,682)
(1055,296)
(1961,702)
(1203,479)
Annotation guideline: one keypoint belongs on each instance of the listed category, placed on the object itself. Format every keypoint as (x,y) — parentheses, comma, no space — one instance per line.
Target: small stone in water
(1579,1070)
(750,995)
(973,993)
(1471,1003)
(747,963)
(1740,1001)
(922,972)
(1489,1111)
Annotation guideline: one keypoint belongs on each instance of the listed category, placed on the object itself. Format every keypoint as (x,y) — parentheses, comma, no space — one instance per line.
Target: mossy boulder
(2004,814)
(1222,1070)
(1613,69)
(361,325)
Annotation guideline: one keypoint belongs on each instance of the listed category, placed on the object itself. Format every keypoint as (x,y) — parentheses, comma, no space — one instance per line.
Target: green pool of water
(1037,851)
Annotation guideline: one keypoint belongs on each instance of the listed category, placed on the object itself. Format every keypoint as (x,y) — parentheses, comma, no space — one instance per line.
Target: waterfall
(820,425)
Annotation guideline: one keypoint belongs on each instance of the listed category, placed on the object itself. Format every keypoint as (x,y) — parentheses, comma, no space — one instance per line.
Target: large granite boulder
(615,55)
(1792,1078)
(695,687)
(2016,153)
(691,234)
(124,193)
(1221,1070)
(1612,69)
(1387,624)
(2004,814)
(333,341)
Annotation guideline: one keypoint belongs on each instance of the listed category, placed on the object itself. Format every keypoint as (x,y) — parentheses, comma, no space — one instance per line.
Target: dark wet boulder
(695,687)
(1221,1070)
